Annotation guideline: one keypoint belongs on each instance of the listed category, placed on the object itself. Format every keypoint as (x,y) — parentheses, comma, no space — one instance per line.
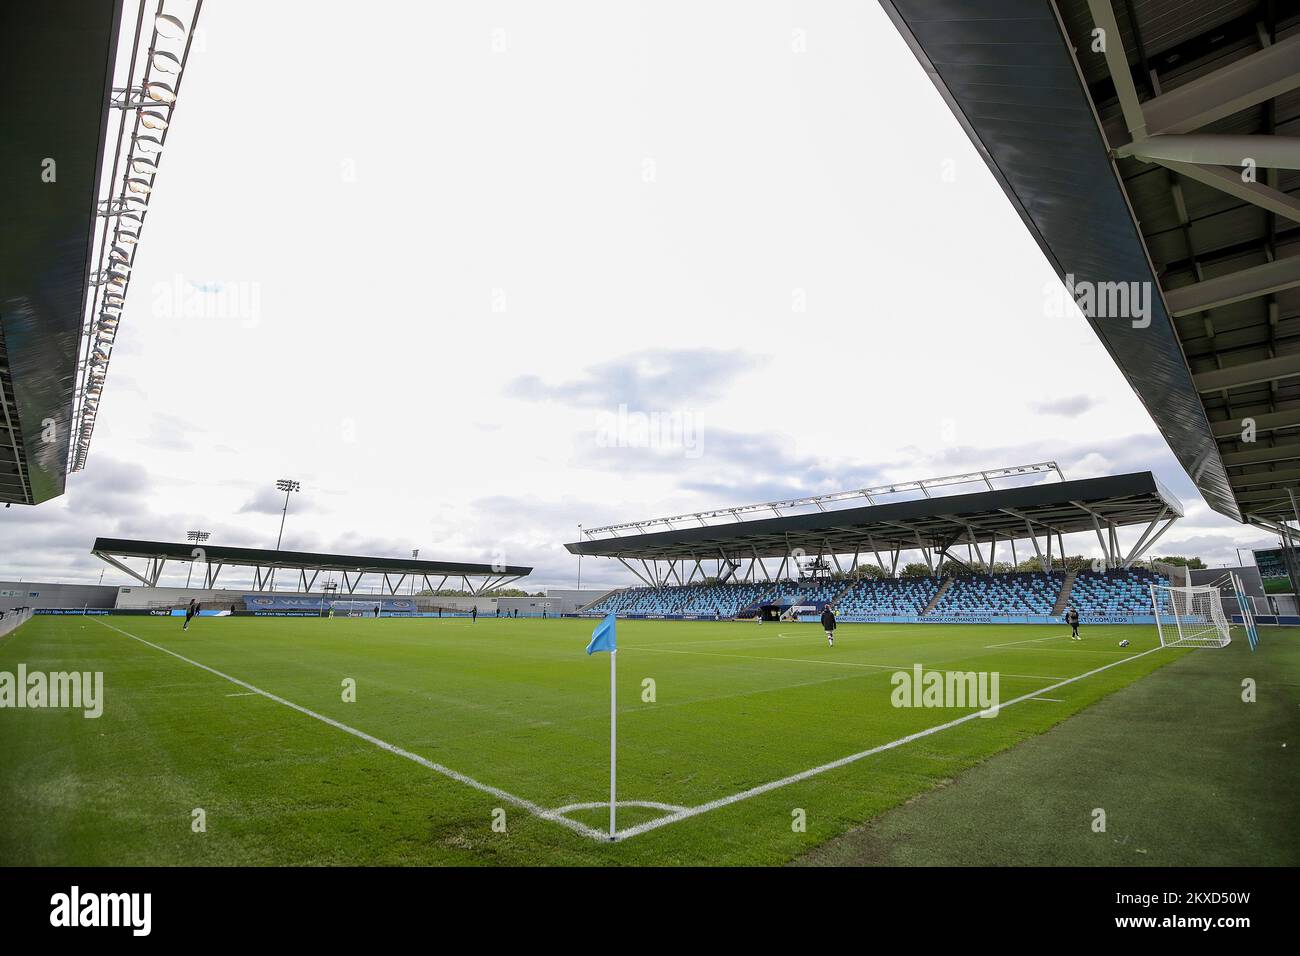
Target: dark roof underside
(266,558)
(1066,507)
(56,59)
(1045,111)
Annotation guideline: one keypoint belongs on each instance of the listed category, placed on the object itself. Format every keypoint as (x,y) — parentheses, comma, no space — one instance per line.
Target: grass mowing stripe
(511,704)
(805,660)
(852,758)
(520,802)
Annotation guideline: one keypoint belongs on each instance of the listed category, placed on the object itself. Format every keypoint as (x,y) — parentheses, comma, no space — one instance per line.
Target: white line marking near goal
(249,694)
(497,792)
(1032,640)
(1053,700)
(852,758)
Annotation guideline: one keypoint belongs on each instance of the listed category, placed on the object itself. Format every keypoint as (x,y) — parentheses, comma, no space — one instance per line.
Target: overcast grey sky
(419,256)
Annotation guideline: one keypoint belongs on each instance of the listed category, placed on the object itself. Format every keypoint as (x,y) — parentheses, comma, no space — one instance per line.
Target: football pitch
(399,741)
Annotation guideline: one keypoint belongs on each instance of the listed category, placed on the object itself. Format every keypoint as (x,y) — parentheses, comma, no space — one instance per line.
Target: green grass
(515,705)
(1187,772)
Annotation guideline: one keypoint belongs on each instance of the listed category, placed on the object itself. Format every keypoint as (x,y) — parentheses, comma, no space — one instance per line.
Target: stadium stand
(1017,594)
(901,596)
(1121,591)
(693,599)
(1014,593)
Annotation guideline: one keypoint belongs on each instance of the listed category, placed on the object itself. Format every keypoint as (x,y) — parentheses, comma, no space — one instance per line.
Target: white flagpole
(612,739)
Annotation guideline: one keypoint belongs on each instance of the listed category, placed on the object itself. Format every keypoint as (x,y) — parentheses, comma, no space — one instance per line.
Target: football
(1123,643)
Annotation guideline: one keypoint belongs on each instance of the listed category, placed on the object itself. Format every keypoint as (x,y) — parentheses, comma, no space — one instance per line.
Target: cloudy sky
(474,273)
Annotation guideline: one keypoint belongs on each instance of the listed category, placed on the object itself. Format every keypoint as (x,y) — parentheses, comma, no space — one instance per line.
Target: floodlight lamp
(165,62)
(149,144)
(143,165)
(137,185)
(160,92)
(166,25)
(152,119)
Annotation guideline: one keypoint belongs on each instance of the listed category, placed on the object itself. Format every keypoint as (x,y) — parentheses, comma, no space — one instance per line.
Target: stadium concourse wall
(52,598)
(42,595)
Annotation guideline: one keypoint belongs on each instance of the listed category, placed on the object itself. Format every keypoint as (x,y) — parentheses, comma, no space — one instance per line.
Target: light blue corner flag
(602,638)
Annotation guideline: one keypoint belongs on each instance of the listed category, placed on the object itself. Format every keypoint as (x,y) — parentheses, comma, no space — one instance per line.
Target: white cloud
(435,339)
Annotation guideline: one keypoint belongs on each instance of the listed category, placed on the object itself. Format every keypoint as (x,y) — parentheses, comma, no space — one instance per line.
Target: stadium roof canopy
(931,525)
(353,568)
(56,65)
(1161,150)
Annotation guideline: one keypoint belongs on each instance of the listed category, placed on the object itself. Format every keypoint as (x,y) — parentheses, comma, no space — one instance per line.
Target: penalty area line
(540,812)
(852,758)
(1032,640)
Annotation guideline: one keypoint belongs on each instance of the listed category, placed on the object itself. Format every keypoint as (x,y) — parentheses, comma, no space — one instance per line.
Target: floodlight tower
(415,553)
(287,485)
(196,538)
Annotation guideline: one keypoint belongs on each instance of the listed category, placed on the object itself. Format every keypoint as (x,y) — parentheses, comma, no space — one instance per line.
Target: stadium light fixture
(169,26)
(287,485)
(145,90)
(165,62)
(195,537)
(160,92)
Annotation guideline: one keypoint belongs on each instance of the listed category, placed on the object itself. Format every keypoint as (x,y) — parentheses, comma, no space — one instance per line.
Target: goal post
(1190,616)
(1247,612)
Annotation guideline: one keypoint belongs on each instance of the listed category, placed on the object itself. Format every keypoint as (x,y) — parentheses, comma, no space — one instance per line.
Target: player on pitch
(828,624)
(1072,619)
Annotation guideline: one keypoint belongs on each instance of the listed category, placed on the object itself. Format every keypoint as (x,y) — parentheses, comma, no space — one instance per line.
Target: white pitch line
(844,761)
(249,694)
(1032,640)
(599,805)
(1054,700)
(497,792)
(680,814)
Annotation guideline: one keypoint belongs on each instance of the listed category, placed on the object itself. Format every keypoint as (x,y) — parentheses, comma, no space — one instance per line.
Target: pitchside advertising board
(927,619)
(1272,568)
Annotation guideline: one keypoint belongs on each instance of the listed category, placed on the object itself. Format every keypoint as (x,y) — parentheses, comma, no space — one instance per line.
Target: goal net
(345,608)
(1190,616)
